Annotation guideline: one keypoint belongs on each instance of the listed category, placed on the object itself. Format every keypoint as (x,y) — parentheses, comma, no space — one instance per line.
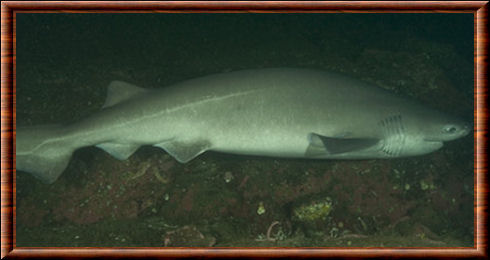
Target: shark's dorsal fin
(119,91)
(184,151)
(323,145)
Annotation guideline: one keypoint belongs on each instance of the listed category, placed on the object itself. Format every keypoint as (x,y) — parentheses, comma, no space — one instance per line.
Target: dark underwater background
(64,62)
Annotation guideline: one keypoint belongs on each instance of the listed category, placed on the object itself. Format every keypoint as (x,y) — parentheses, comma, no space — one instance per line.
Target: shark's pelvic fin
(120,151)
(184,151)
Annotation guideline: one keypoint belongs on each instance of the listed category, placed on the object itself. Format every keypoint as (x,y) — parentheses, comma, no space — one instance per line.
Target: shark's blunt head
(420,131)
(427,130)
(442,128)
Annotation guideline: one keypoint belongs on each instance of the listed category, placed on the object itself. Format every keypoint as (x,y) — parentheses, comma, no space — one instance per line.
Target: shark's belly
(262,143)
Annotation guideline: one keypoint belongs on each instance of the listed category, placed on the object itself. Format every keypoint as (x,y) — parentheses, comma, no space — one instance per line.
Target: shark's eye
(450,129)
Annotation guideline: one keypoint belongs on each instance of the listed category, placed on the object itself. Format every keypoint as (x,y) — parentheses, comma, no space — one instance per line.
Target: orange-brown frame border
(9,8)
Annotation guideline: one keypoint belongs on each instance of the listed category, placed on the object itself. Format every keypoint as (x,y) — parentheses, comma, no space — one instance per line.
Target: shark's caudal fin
(42,151)
(45,150)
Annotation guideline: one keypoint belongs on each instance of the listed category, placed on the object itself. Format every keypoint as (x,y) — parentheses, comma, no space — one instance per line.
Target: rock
(187,236)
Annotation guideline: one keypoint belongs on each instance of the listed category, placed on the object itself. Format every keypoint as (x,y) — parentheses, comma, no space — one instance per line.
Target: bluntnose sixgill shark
(281,112)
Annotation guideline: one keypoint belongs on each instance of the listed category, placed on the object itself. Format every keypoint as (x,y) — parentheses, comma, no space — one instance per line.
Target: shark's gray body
(272,112)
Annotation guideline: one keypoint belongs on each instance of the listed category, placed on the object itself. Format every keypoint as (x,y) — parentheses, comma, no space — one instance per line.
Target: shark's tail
(43,151)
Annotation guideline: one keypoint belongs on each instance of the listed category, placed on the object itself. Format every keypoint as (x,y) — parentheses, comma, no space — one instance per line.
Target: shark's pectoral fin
(120,151)
(323,145)
(184,151)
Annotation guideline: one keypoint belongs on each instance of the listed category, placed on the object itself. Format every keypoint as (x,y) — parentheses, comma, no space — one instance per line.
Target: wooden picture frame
(8,92)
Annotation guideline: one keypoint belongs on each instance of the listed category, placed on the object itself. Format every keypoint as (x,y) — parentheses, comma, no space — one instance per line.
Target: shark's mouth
(433,144)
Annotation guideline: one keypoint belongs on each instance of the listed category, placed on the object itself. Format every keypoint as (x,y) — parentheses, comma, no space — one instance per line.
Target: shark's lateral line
(281,112)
